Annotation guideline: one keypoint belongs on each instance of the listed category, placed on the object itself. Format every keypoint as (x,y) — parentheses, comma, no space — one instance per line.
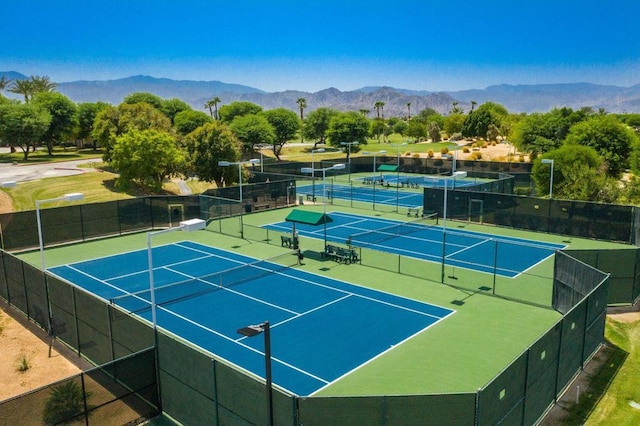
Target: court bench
(261,206)
(413,211)
(311,197)
(340,254)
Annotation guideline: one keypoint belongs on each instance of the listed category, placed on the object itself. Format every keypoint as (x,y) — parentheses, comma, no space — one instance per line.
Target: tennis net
(377,236)
(140,301)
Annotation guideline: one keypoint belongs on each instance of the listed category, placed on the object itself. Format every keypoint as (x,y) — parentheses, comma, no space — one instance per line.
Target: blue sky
(311,45)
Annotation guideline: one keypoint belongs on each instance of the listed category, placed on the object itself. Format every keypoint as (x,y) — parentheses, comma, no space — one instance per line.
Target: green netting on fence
(504,395)
(366,410)
(100,219)
(15,282)
(4,292)
(61,298)
(242,395)
(192,367)
(572,344)
(93,327)
(542,371)
(575,218)
(430,410)
(36,293)
(128,334)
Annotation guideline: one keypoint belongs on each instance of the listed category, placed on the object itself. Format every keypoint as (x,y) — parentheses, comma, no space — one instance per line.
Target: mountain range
(516,98)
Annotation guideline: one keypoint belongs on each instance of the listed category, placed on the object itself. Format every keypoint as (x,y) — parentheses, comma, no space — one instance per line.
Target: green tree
(87,113)
(187,121)
(426,114)
(171,107)
(253,130)
(22,125)
(540,132)
(64,117)
(477,122)
(348,127)
(416,129)
(610,138)
(112,122)
(400,127)
(285,126)
(146,157)
(434,131)
(234,109)
(565,159)
(317,124)
(146,97)
(453,123)
(209,144)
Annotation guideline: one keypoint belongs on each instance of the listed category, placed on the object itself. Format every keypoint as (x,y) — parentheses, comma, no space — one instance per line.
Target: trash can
(247,208)
(301,200)
(295,243)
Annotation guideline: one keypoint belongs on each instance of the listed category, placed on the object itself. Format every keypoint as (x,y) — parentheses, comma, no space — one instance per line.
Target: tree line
(147,139)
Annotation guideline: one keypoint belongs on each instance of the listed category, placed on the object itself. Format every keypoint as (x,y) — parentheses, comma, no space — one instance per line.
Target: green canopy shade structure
(387,168)
(309,218)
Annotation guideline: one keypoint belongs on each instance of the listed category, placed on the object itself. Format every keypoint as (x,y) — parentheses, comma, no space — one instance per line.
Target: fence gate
(176,213)
(476,209)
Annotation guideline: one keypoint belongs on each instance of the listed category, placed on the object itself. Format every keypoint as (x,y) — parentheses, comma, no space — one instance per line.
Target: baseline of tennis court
(501,255)
(321,328)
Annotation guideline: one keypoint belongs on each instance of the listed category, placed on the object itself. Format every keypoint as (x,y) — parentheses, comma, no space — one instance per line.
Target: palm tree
(212,104)
(473,105)
(4,82)
(42,84)
(22,87)
(302,104)
(409,108)
(379,105)
(364,111)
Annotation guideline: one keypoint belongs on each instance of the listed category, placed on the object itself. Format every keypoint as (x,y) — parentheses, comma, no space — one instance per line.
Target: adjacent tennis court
(321,328)
(424,239)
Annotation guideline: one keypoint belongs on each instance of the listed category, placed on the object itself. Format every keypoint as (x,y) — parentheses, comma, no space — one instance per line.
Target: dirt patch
(627,317)
(17,342)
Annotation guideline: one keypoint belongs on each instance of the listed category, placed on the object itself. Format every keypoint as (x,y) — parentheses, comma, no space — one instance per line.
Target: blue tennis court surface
(393,194)
(501,255)
(321,329)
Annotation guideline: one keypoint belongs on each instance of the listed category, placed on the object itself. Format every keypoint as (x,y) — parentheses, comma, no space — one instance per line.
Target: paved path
(27,172)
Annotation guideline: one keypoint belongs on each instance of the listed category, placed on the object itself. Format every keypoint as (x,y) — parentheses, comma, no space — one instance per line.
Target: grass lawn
(41,155)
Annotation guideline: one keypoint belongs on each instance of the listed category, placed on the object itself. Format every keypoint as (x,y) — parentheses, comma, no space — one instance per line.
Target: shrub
(23,363)
(444,150)
(416,155)
(65,402)
(465,149)
(430,154)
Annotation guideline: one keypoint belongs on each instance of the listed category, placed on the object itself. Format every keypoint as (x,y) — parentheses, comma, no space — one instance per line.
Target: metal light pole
(398,145)
(254,330)
(348,144)
(313,166)
(239,164)
(74,196)
(549,161)
(324,191)
(453,176)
